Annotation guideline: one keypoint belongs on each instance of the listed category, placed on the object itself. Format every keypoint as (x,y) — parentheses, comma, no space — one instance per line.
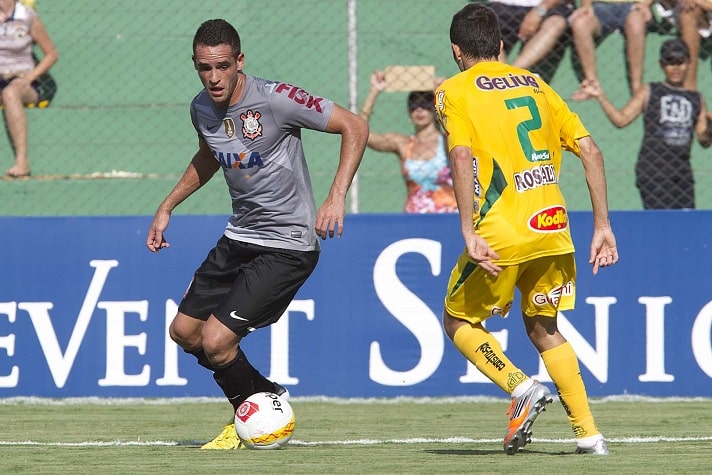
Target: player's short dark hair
(475,29)
(217,32)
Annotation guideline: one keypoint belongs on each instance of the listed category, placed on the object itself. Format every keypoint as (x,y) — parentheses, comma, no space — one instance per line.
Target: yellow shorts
(547,285)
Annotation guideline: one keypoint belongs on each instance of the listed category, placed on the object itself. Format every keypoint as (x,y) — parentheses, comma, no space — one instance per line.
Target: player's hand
(480,252)
(330,219)
(604,252)
(156,240)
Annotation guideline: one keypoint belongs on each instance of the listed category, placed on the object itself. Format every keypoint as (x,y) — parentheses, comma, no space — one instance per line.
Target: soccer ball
(264,421)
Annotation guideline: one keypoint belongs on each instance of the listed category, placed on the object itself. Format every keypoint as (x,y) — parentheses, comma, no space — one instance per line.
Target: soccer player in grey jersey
(251,129)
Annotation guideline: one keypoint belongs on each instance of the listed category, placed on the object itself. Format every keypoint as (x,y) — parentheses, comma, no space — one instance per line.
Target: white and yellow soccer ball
(264,421)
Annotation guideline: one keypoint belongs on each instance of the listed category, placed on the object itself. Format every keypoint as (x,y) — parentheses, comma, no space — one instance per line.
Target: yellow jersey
(516,126)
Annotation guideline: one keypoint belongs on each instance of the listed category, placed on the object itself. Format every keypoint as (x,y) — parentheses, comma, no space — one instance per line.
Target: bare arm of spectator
(385,142)
(49,52)
(703,127)
(619,117)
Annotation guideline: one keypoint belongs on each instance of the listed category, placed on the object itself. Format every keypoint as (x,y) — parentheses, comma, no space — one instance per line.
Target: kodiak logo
(550,220)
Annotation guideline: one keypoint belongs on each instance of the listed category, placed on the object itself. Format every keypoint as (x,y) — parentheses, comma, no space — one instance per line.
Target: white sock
(587,442)
(523,387)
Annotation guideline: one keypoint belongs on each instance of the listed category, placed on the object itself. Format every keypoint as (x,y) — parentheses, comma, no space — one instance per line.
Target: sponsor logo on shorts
(549,220)
(554,295)
(234,315)
(501,311)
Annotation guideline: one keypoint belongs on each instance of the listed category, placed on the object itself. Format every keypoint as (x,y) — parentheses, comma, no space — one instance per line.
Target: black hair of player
(475,30)
(218,32)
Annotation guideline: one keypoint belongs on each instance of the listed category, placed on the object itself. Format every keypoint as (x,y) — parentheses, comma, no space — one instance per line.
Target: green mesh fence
(117,134)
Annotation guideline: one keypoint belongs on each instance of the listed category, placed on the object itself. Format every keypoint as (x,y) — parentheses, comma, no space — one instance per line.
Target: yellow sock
(484,351)
(562,365)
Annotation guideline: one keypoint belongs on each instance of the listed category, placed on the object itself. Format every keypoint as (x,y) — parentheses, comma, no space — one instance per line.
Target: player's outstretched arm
(201,168)
(354,134)
(603,244)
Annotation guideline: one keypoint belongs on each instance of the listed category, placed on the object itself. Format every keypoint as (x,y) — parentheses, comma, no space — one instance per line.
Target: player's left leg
(548,286)
(562,365)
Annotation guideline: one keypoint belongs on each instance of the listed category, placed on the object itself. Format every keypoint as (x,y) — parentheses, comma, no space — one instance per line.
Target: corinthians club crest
(229,127)
(251,127)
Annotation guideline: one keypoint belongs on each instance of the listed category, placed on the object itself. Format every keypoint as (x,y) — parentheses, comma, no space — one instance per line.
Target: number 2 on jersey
(526,126)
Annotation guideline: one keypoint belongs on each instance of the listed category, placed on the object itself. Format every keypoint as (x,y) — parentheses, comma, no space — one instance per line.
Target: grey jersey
(258,144)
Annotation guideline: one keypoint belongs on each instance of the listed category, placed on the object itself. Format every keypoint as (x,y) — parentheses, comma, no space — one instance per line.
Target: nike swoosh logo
(234,315)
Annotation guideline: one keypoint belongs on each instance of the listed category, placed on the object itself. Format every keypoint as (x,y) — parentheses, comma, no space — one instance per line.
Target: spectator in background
(422,156)
(20,29)
(695,23)
(539,25)
(594,21)
(545,32)
(671,115)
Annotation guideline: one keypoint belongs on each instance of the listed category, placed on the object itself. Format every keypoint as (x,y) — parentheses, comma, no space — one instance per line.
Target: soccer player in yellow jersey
(506,129)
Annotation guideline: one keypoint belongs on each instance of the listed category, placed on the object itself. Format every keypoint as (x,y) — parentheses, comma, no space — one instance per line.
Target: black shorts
(511,18)
(4,82)
(246,286)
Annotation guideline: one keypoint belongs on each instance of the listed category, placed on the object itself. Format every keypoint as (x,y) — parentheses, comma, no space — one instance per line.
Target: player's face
(219,72)
(675,72)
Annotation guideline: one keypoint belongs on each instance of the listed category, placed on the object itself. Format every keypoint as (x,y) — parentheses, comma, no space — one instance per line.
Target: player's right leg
(529,397)
(472,297)
(258,297)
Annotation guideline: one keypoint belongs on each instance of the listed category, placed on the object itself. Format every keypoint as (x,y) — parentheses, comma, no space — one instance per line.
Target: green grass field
(433,436)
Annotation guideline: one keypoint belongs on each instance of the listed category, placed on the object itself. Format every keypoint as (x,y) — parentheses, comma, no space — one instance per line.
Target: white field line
(303,443)
(395,400)
(108,401)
